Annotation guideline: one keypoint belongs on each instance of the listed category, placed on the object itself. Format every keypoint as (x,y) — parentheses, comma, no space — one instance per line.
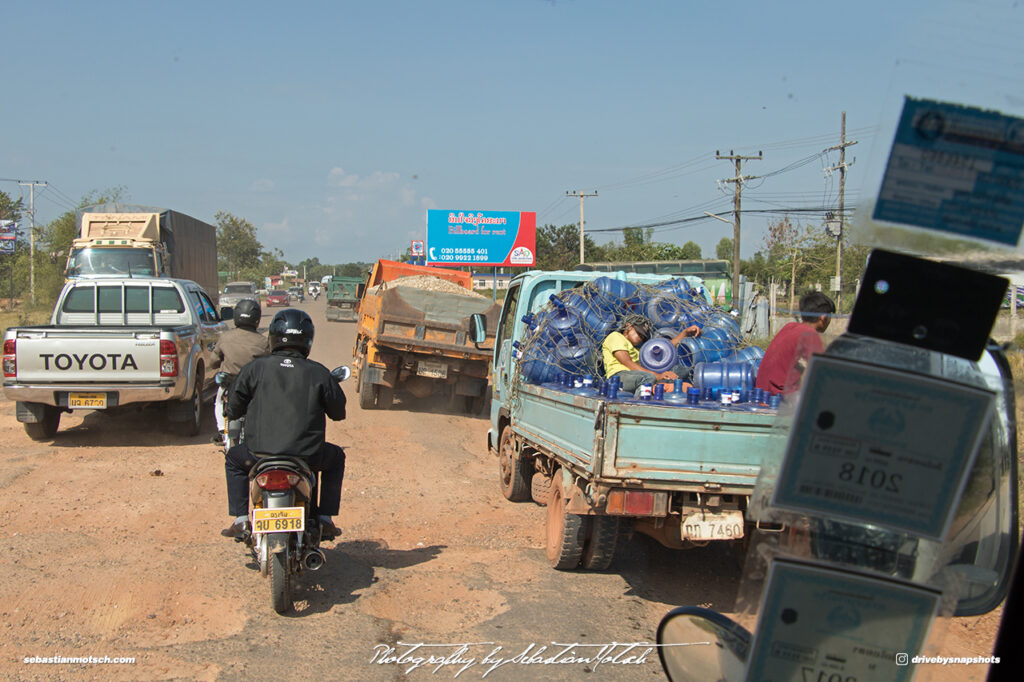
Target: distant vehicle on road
(278,297)
(236,292)
(343,299)
(296,294)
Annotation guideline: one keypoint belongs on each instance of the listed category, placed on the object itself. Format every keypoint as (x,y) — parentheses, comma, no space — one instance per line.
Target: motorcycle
(233,428)
(286,533)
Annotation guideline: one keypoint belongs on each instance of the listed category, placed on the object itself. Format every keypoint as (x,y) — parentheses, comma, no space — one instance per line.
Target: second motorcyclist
(285,398)
(236,348)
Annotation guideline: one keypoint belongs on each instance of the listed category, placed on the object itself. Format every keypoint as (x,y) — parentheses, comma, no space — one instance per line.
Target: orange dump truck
(412,336)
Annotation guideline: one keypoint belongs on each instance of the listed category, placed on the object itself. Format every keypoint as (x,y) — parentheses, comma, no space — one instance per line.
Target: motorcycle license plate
(87,401)
(721,526)
(283,520)
(429,368)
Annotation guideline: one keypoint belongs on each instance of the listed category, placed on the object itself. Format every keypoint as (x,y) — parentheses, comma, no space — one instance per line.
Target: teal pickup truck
(682,475)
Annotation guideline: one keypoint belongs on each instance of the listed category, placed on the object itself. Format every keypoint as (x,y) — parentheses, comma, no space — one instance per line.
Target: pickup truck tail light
(10,358)
(276,479)
(168,359)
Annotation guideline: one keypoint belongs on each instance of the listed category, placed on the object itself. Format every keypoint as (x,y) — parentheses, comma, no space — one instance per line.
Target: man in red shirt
(782,367)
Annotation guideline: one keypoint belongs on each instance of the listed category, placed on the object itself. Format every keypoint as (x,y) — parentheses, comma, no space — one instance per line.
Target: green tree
(638,245)
(723,250)
(691,251)
(353,269)
(9,208)
(558,247)
(791,254)
(238,249)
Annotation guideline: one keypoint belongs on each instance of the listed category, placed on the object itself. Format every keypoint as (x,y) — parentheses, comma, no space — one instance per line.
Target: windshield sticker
(956,169)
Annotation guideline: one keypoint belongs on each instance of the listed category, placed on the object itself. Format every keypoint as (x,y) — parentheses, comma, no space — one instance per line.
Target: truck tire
(47,428)
(476,404)
(565,532)
(385,396)
(540,489)
(367,399)
(514,473)
(604,537)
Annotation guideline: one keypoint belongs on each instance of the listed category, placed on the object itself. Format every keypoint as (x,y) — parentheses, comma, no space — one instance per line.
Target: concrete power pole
(32,236)
(738,180)
(581,195)
(841,167)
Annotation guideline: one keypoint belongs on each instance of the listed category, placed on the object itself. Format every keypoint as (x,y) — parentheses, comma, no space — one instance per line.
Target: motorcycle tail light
(168,359)
(276,479)
(10,358)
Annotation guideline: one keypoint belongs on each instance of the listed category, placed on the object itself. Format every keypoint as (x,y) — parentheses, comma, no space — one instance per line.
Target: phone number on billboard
(463,254)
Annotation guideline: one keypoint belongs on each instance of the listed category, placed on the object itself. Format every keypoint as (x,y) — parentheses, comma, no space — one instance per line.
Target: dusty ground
(111,547)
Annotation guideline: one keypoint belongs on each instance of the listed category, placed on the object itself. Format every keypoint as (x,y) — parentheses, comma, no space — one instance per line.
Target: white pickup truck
(115,343)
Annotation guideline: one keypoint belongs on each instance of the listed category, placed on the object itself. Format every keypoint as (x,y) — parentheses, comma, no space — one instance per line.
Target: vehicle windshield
(239,289)
(278,293)
(111,261)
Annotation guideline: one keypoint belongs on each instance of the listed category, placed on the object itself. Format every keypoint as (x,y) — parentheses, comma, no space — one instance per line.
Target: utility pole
(32,236)
(581,195)
(738,181)
(843,144)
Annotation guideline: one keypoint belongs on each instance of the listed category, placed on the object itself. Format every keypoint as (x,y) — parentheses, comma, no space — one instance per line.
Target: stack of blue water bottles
(563,347)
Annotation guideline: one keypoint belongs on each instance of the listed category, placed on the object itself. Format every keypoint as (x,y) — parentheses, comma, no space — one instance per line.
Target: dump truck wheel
(367,395)
(513,472)
(565,532)
(385,396)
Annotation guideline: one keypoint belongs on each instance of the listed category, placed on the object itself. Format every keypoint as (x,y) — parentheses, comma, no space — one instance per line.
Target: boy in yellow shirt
(622,358)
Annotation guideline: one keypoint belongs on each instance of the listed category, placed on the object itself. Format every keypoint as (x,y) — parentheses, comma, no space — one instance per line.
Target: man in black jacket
(285,398)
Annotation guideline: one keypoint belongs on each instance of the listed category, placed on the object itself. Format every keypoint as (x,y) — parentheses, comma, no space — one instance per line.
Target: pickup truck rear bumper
(57,395)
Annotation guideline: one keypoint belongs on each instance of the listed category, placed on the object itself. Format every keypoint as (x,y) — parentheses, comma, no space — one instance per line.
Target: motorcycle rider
(235,349)
(285,397)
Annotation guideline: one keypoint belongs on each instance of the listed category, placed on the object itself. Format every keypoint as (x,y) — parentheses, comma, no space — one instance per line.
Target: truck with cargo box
(412,335)
(681,475)
(343,299)
(139,241)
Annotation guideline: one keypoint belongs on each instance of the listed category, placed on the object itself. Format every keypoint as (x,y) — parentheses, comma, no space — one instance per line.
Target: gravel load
(428,283)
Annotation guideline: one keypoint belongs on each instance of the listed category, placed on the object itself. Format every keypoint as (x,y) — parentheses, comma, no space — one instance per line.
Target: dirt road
(111,548)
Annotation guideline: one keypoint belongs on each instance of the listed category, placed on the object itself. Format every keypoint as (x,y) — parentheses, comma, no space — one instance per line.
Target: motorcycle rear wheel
(280,582)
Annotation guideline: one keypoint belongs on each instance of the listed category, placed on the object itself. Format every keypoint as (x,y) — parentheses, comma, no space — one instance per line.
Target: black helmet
(291,328)
(248,313)
(640,323)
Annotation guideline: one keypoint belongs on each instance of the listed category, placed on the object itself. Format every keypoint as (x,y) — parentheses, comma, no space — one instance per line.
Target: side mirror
(221,378)
(700,644)
(477,329)
(341,373)
(227,313)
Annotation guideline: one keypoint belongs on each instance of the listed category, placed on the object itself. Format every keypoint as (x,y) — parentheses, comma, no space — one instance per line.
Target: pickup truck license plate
(429,368)
(87,401)
(722,526)
(283,520)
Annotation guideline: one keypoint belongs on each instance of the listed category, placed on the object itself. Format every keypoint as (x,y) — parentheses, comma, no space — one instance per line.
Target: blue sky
(333,126)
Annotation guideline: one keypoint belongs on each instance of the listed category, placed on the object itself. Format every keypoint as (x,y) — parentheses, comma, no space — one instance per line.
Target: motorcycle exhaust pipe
(314,560)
